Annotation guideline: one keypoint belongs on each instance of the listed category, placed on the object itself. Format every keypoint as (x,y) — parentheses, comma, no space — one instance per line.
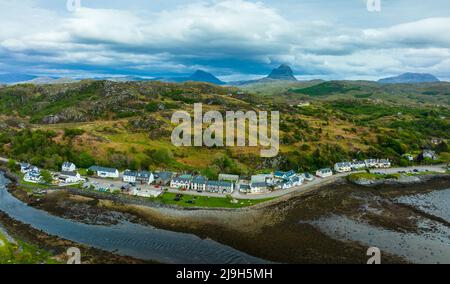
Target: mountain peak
(407,78)
(283,72)
(203,76)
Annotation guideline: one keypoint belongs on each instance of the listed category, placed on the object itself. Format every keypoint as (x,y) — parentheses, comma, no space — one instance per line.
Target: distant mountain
(408,78)
(284,72)
(11,78)
(202,76)
(198,76)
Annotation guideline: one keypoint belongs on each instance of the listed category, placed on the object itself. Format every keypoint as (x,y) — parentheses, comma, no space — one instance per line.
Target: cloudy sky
(234,39)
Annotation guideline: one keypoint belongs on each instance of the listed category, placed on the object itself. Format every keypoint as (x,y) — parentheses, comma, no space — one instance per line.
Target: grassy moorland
(13,252)
(127,125)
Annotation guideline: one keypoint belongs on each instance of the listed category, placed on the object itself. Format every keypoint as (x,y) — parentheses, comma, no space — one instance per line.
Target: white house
(263,178)
(384,163)
(429,154)
(70,177)
(279,175)
(181,182)
(129,176)
(358,165)
(68,167)
(105,172)
(33,177)
(25,168)
(323,173)
(409,157)
(219,186)
(370,163)
(145,177)
(343,167)
(258,187)
(198,183)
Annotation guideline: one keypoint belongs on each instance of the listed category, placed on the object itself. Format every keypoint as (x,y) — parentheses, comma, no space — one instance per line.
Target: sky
(234,39)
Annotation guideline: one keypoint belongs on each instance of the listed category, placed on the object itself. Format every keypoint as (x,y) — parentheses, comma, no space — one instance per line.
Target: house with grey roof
(224,187)
(68,167)
(104,172)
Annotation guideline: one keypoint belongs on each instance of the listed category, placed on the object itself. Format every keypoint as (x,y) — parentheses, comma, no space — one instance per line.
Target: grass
(370,176)
(207,202)
(22,253)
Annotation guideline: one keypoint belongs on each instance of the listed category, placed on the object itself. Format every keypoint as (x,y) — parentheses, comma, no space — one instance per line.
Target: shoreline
(238,227)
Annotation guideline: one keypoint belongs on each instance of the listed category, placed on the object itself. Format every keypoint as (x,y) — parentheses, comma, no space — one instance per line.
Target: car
(179,195)
(190,202)
(416,170)
(177,199)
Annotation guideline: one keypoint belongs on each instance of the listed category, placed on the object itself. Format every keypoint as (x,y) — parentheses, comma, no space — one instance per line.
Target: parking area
(110,185)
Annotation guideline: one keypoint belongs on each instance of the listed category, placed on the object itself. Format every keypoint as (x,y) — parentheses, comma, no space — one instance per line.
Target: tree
(12,165)
(46,176)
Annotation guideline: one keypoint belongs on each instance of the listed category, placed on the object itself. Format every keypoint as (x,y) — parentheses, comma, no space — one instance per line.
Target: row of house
(343,167)
(200,183)
(142,177)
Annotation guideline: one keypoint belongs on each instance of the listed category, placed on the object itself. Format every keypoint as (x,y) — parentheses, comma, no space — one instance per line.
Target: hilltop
(128,124)
(410,78)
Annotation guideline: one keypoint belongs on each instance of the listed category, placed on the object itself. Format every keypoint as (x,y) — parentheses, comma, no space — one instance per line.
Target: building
(358,165)
(163,178)
(70,177)
(263,178)
(144,177)
(33,177)
(244,188)
(308,176)
(227,177)
(224,187)
(297,180)
(429,154)
(129,176)
(409,157)
(181,182)
(68,167)
(25,168)
(279,175)
(384,163)
(323,173)
(146,192)
(105,172)
(198,183)
(377,163)
(343,167)
(258,187)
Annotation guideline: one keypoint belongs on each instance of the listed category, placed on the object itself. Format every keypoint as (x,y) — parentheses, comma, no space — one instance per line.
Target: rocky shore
(282,230)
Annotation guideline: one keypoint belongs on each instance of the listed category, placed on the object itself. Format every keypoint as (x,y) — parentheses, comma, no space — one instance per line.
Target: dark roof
(102,169)
(69,174)
(164,175)
(130,173)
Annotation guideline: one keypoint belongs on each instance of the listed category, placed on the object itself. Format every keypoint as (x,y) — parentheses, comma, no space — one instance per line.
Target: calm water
(126,238)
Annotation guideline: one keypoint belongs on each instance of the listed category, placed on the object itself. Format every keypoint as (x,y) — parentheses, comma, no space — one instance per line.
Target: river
(125,238)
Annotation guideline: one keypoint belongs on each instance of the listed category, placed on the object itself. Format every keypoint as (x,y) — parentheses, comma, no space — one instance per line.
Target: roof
(164,175)
(144,174)
(181,179)
(219,183)
(129,173)
(102,169)
(199,179)
(69,174)
(258,184)
(68,164)
(326,170)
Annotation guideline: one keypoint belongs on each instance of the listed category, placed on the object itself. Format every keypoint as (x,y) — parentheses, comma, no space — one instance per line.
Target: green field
(207,202)
(22,253)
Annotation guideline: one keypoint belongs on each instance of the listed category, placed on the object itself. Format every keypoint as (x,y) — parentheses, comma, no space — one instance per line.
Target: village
(154,184)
